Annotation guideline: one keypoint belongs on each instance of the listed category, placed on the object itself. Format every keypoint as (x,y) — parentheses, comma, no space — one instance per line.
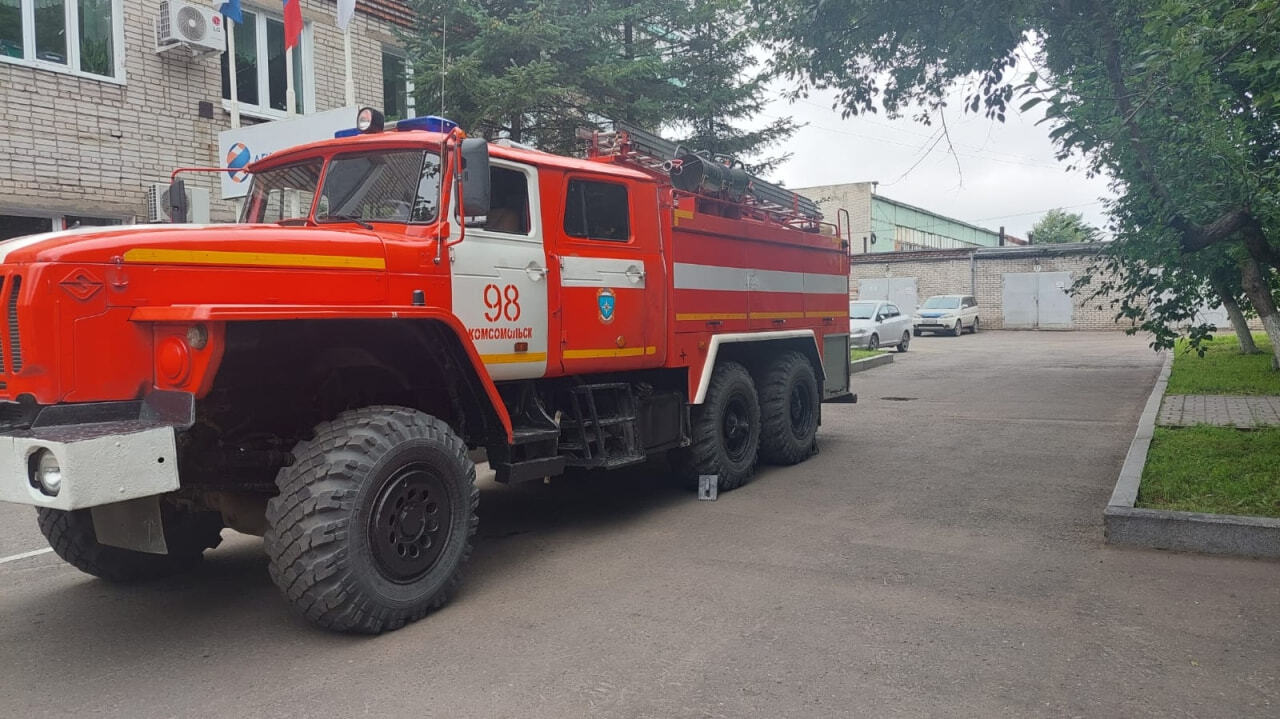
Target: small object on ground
(708,486)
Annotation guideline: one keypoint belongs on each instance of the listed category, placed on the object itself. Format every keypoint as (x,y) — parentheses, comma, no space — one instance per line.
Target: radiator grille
(11,316)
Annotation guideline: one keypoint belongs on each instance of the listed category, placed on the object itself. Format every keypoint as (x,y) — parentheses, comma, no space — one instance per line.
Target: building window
(397,87)
(18,225)
(82,37)
(597,211)
(260,66)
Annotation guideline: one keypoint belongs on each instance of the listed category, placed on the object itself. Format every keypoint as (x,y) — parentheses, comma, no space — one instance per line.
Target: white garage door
(899,290)
(1037,300)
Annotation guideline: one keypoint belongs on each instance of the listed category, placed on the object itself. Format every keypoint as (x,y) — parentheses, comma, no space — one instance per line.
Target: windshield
(284,193)
(942,303)
(861,310)
(392,186)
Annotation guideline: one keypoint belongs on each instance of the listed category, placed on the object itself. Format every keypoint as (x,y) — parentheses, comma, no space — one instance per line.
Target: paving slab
(1243,412)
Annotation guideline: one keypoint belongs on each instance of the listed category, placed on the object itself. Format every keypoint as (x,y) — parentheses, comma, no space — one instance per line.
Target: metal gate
(1037,300)
(899,290)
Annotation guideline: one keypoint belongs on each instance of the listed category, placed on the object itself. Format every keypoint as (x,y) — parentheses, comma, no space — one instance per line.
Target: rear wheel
(974,328)
(789,410)
(725,429)
(904,342)
(72,537)
(374,520)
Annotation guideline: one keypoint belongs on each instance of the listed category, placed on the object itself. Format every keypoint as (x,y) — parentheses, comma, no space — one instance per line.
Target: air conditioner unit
(189,27)
(158,204)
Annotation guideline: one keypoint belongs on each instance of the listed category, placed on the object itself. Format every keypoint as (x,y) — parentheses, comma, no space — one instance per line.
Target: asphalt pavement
(942,556)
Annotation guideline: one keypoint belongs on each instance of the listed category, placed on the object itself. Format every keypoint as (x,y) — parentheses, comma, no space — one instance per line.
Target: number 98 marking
(502,303)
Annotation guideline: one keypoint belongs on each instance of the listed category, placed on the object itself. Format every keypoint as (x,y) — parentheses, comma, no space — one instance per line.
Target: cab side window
(509,203)
(597,211)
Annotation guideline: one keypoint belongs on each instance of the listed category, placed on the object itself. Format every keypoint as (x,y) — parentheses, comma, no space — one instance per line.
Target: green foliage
(538,71)
(1176,100)
(1219,368)
(1059,226)
(1220,470)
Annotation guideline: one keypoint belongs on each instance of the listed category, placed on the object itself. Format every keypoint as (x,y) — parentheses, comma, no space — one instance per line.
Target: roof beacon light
(369,120)
(430,123)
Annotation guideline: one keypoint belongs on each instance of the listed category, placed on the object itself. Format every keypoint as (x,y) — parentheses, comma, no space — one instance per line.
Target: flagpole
(346,59)
(231,72)
(290,101)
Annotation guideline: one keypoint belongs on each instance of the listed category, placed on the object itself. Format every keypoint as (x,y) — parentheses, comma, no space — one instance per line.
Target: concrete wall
(76,145)
(949,272)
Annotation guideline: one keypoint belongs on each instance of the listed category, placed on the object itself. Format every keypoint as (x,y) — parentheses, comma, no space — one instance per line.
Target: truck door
(499,277)
(611,278)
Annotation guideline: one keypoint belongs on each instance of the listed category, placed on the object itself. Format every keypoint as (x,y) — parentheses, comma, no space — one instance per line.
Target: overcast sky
(1007,173)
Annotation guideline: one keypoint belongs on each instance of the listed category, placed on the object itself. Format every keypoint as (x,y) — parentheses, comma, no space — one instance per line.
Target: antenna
(444,63)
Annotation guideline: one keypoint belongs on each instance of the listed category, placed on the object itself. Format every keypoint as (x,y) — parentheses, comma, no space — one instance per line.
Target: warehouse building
(101,99)
(878,224)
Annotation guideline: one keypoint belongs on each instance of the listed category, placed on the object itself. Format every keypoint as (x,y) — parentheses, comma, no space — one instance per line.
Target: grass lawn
(1223,370)
(1220,470)
(862,354)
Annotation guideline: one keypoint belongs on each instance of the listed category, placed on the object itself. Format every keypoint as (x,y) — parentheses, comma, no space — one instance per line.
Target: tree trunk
(1243,334)
(1258,290)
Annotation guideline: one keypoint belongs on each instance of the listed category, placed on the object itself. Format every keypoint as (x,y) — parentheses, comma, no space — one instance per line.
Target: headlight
(46,475)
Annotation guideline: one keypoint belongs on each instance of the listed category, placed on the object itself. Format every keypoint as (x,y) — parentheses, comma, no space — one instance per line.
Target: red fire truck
(392,299)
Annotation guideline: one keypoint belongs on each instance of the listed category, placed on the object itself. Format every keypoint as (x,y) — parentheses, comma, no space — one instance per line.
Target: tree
(537,71)
(720,87)
(1178,100)
(1058,226)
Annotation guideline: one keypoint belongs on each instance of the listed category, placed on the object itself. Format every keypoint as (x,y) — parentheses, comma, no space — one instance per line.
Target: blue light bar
(430,123)
(349,132)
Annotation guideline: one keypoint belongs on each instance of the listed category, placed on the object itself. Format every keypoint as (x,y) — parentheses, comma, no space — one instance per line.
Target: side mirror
(475,177)
(177,201)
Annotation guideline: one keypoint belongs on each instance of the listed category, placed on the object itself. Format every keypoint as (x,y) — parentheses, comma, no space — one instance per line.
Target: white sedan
(875,323)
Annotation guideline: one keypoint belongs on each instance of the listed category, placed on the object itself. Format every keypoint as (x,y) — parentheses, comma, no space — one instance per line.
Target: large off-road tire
(72,537)
(725,429)
(789,410)
(374,520)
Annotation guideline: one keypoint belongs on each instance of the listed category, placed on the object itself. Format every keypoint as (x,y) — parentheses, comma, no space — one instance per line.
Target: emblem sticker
(605,301)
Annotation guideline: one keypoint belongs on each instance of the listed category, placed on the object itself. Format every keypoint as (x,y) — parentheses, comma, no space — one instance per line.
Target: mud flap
(133,524)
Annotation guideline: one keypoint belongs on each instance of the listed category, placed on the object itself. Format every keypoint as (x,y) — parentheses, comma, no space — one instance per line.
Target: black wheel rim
(801,407)
(736,428)
(410,523)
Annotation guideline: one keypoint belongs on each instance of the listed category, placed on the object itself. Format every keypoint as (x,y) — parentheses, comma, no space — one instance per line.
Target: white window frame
(410,111)
(72,16)
(306,100)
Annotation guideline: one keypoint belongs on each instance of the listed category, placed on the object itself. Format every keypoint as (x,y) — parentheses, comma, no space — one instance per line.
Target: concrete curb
(867,363)
(1182,531)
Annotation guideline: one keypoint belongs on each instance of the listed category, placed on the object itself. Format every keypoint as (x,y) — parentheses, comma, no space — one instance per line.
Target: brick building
(1016,287)
(93,114)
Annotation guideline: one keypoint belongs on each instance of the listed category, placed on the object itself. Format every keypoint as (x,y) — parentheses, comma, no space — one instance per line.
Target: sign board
(239,147)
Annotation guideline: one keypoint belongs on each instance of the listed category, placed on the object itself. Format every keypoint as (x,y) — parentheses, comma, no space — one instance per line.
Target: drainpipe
(973,274)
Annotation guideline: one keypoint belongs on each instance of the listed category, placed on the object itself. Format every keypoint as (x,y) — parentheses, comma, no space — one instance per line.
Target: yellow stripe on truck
(251,259)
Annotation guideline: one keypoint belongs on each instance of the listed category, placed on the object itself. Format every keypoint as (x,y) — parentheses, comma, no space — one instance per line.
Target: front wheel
(725,429)
(789,410)
(917,333)
(72,537)
(957,330)
(374,520)
(873,344)
(904,342)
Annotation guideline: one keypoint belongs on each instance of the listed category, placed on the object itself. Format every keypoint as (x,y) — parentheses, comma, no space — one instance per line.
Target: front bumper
(934,324)
(100,464)
(107,452)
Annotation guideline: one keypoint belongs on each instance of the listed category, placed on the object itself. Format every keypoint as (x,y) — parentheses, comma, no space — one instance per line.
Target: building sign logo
(237,158)
(607,304)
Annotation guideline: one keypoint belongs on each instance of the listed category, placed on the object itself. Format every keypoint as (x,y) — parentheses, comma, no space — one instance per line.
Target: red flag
(292,23)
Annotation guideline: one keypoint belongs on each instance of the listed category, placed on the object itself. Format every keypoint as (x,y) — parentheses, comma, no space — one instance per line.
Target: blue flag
(231,10)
